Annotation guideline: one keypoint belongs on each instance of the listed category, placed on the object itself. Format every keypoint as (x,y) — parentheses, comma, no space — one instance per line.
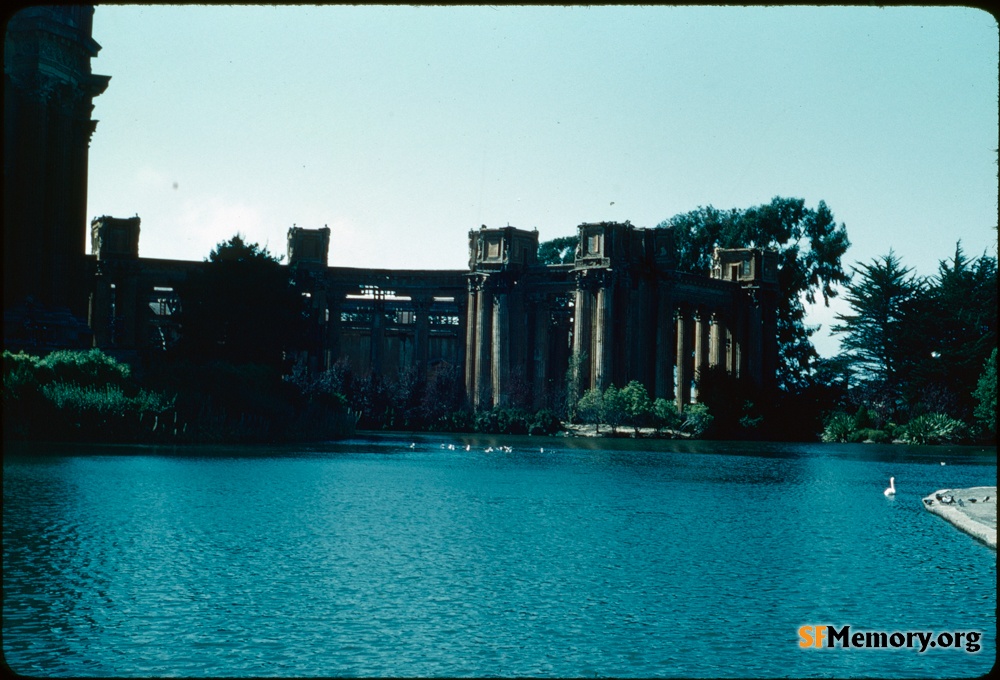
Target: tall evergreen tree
(986,396)
(880,295)
(954,329)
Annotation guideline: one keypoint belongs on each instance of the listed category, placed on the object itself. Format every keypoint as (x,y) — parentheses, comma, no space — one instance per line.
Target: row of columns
(489,342)
(689,339)
(507,340)
(330,304)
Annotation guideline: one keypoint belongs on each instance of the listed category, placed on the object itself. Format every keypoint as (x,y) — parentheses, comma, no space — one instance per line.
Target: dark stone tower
(48,100)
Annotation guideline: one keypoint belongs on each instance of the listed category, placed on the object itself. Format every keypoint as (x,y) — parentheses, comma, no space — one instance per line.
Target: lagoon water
(594,558)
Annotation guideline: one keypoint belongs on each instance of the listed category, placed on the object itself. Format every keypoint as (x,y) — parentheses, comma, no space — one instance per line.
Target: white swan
(891,491)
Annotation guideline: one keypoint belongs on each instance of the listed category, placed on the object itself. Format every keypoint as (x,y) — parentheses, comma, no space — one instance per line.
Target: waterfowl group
(488,449)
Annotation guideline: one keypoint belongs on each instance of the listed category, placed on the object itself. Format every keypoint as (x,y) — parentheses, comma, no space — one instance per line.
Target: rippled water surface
(372,558)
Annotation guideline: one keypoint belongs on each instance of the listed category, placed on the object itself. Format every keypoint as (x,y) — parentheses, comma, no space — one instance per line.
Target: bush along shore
(89,396)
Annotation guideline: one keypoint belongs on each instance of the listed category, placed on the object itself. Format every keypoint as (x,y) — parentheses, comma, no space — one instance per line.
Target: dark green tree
(882,296)
(809,244)
(614,408)
(557,251)
(952,330)
(241,307)
(590,407)
(638,405)
(986,397)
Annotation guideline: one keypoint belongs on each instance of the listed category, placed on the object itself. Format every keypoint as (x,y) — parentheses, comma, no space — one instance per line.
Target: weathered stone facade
(514,327)
(48,100)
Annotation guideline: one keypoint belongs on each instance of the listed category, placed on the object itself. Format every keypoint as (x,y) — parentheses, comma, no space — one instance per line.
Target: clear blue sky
(401,128)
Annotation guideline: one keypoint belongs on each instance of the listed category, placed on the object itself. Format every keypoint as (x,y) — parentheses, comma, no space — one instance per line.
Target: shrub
(545,422)
(590,407)
(697,419)
(665,414)
(638,407)
(615,406)
(93,367)
(838,428)
(461,420)
(869,435)
(934,428)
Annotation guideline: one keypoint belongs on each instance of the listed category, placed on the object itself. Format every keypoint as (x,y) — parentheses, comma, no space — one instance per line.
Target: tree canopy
(879,294)
(923,340)
(557,251)
(240,307)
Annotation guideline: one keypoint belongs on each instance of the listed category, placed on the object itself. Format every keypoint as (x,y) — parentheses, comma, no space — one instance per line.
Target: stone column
(334,303)
(755,345)
(700,346)
(734,362)
(129,305)
(377,333)
(540,355)
(501,348)
(604,336)
(683,389)
(769,343)
(484,317)
(470,341)
(581,335)
(422,334)
(714,341)
(100,311)
(641,331)
(664,385)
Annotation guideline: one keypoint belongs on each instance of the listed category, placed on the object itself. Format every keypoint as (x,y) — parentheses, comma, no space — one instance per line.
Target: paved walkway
(973,510)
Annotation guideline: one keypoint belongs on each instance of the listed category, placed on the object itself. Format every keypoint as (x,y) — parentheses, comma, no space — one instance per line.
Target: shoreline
(972,510)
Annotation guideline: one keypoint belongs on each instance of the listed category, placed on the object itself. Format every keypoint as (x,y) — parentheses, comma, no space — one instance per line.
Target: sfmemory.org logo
(829,636)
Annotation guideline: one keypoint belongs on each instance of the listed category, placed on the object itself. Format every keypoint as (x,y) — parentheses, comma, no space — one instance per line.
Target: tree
(986,396)
(952,330)
(809,245)
(638,406)
(557,251)
(874,332)
(240,307)
(615,407)
(590,407)
(665,414)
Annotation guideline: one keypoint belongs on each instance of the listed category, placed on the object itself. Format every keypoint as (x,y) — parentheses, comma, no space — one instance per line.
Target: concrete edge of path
(958,517)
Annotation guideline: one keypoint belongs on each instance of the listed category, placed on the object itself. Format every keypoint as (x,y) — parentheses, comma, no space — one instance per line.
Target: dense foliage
(79,396)
(242,307)
(90,396)
(986,396)
(918,351)
(557,251)
(632,405)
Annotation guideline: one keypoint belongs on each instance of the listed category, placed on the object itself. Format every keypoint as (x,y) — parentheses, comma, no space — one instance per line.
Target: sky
(403,127)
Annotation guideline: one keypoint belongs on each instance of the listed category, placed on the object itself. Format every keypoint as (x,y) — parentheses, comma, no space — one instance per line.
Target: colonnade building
(515,329)
(512,328)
